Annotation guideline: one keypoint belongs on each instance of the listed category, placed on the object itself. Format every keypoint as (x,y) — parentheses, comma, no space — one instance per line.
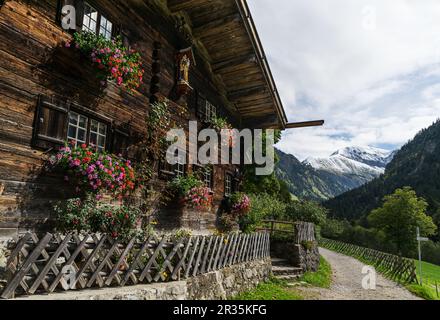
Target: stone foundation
(218,285)
(305,256)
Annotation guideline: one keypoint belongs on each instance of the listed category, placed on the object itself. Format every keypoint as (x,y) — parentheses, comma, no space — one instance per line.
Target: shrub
(306,211)
(227,223)
(96,172)
(120,222)
(110,58)
(263,207)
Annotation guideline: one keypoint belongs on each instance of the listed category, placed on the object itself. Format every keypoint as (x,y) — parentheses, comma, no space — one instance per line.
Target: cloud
(370,68)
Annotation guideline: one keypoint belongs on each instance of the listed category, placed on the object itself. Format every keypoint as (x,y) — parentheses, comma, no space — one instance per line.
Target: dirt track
(347,283)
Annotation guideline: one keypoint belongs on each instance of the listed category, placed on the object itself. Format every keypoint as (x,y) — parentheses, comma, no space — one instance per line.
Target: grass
(430,276)
(322,278)
(274,289)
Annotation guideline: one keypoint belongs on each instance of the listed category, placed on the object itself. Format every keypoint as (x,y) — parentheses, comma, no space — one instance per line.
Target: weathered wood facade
(39,75)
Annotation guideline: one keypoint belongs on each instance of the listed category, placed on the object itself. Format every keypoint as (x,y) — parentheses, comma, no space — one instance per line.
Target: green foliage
(181,186)
(120,222)
(398,218)
(333,228)
(424,292)
(219,123)
(431,252)
(267,183)
(322,278)
(306,211)
(271,290)
(263,206)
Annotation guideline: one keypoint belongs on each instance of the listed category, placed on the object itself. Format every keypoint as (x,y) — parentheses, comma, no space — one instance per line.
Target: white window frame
(210,111)
(105,29)
(87,130)
(228,184)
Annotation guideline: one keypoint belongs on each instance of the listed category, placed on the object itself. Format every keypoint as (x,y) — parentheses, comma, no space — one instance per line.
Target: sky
(369,68)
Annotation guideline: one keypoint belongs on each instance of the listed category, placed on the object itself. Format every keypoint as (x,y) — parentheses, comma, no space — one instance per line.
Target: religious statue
(185,60)
(185,64)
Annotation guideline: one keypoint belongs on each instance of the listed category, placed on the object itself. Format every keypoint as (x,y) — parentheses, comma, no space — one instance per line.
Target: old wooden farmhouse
(203,56)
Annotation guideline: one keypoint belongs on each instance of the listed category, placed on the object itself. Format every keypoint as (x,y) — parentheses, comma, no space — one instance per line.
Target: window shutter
(50,127)
(79,6)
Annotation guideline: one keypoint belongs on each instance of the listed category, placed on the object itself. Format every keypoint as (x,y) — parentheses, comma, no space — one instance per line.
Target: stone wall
(218,285)
(305,255)
(4,254)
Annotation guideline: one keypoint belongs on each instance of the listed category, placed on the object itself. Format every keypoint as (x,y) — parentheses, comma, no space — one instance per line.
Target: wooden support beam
(217,26)
(179,5)
(234,61)
(305,124)
(237,94)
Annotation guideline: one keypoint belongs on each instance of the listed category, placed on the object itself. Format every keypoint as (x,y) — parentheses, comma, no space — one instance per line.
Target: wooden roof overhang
(227,32)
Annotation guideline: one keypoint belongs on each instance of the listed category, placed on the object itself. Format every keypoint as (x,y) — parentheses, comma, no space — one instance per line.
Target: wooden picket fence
(56,262)
(394,267)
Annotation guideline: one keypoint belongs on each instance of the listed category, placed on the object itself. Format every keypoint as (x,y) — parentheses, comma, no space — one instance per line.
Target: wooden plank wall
(33,61)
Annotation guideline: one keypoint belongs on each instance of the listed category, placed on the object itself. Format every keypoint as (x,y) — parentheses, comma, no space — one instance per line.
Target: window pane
(93,138)
(72,133)
(73,118)
(90,19)
(101,141)
(82,122)
(103,129)
(94,126)
(105,28)
(81,135)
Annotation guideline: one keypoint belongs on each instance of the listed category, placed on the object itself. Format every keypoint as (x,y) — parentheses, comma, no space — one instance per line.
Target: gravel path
(347,283)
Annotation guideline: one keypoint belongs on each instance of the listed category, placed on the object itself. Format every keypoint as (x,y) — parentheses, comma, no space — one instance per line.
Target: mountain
(416,165)
(362,164)
(320,179)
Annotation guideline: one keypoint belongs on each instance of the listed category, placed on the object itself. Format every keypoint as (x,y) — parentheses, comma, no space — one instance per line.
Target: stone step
(286,271)
(280,262)
(289,277)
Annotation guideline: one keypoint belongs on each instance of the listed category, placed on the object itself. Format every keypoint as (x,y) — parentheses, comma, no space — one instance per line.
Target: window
(59,120)
(167,170)
(228,184)
(98,135)
(90,20)
(106,28)
(207,175)
(96,23)
(210,111)
(77,128)
(89,131)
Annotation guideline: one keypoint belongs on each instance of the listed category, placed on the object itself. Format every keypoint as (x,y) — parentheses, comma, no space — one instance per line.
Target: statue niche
(185,60)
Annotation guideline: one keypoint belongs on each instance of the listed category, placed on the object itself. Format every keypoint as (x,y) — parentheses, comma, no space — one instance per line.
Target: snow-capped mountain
(366,163)
(324,178)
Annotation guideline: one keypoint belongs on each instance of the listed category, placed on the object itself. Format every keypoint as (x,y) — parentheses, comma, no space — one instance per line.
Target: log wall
(33,62)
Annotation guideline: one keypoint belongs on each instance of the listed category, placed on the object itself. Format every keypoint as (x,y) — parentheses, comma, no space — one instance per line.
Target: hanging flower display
(110,58)
(241,204)
(199,198)
(96,172)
